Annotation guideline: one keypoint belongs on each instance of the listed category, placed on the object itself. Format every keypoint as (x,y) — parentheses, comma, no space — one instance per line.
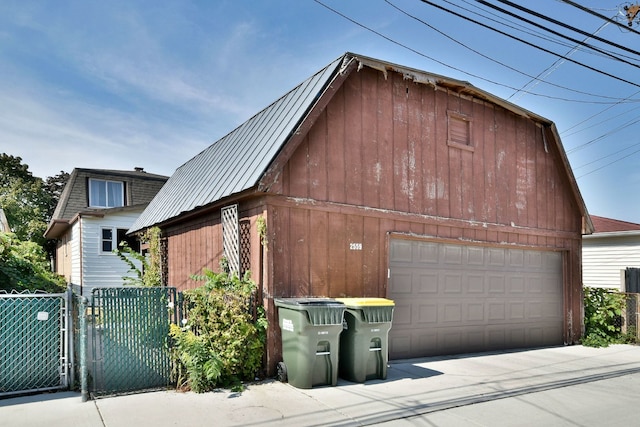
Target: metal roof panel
(236,162)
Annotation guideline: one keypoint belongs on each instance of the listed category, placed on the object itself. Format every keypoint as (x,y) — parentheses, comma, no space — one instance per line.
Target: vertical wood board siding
(508,176)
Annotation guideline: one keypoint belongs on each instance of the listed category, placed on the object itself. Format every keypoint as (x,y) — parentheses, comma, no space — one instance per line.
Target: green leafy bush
(603,317)
(24,267)
(147,269)
(223,341)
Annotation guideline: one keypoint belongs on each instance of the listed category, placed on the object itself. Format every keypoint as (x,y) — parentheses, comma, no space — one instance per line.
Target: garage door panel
(516,284)
(470,298)
(401,251)
(402,315)
(402,283)
(427,252)
(496,284)
(427,314)
(475,284)
(452,283)
(427,283)
(517,311)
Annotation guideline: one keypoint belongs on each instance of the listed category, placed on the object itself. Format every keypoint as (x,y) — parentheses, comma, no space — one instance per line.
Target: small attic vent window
(459,131)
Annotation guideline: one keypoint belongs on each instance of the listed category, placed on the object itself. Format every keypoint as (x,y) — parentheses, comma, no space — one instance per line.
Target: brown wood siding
(377,161)
(508,176)
(195,245)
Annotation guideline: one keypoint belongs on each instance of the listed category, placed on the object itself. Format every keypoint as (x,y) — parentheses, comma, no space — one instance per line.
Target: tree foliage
(146,269)
(24,266)
(603,316)
(28,201)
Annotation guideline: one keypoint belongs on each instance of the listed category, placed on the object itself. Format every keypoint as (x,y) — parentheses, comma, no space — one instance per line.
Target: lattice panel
(31,342)
(245,246)
(231,237)
(130,333)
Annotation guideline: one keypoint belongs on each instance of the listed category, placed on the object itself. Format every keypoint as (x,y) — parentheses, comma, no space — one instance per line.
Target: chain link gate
(34,342)
(129,339)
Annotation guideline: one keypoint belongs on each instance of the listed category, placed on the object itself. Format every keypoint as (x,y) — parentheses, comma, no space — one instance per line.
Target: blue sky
(122,84)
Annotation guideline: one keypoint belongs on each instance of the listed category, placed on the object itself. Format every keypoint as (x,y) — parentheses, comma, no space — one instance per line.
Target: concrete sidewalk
(561,386)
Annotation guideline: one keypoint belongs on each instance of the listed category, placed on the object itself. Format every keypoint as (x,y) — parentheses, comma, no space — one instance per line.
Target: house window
(107,240)
(109,244)
(459,131)
(106,194)
(131,241)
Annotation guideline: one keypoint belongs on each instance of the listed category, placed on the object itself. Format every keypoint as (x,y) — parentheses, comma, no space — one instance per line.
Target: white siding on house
(74,246)
(605,256)
(103,269)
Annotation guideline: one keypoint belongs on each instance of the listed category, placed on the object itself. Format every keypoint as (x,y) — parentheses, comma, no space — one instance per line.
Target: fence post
(70,360)
(84,380)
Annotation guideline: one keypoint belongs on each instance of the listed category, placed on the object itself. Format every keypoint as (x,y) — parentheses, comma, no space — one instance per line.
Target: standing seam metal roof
(237,161)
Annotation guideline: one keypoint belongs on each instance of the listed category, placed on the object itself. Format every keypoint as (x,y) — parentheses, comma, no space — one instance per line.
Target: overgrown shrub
(603,317)
(222,342)
(24,267)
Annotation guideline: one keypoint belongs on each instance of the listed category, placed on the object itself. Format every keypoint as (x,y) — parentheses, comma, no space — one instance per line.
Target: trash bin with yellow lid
(311,330)
(364,341)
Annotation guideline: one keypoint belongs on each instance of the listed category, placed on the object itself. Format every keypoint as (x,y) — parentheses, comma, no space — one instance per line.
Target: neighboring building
(613,247)
(379,180)
(4,224)
(95,210)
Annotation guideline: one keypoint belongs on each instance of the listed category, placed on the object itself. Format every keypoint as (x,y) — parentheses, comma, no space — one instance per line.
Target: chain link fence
(34,342)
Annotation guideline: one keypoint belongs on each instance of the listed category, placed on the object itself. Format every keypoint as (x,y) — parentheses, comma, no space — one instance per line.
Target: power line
(589,11)
(554,21)
(605,157)
(389,39)
(531,44)
(492,59)
(609,164)
(550,69)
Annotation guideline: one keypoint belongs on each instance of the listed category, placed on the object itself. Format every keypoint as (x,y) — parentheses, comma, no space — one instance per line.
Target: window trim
(103,240)
(106,182)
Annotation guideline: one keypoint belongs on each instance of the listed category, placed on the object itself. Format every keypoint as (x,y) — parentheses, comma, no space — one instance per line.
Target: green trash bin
(311,330)
(364,342)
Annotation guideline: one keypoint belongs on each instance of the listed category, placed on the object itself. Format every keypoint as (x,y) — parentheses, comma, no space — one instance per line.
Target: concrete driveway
(571,386)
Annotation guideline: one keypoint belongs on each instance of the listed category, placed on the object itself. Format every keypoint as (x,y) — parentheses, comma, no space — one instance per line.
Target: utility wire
(559,23)
(605,157)
(616,130)
(553,67)
(589,11)
(389,39)
(564,133)
(487,13)
(492,59)
(578,42)
(530,44)
(609,164)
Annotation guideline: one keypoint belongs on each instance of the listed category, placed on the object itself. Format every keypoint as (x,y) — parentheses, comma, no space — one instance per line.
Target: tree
(28,202)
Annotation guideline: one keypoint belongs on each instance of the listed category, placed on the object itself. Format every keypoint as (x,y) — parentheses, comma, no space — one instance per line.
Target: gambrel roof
(241,159)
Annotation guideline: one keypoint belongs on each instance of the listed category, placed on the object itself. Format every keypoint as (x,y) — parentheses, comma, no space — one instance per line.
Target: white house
(609,251)
(95,210)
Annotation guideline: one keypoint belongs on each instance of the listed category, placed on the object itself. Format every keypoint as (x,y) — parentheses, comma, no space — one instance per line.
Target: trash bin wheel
(282,372)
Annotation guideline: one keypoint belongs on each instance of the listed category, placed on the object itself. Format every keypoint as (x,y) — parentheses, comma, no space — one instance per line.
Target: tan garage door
(456,298)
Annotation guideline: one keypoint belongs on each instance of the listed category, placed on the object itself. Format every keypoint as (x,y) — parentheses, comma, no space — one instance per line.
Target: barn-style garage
(370,179)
